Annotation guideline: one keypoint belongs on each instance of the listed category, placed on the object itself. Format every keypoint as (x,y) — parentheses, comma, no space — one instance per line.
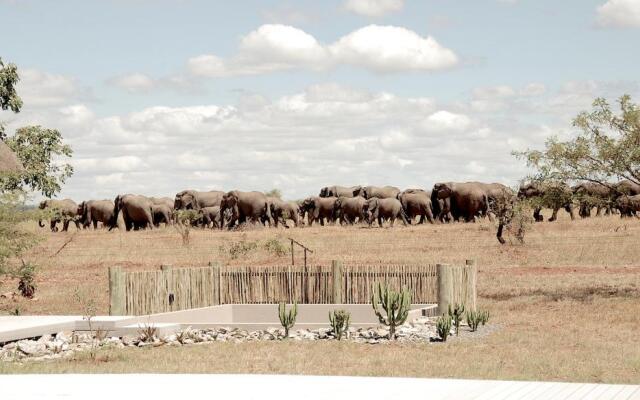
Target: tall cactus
(396,306)
(287,318)
(456,314)
(339,320)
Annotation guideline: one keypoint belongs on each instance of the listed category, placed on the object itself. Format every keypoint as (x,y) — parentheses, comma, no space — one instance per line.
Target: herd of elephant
(446,202)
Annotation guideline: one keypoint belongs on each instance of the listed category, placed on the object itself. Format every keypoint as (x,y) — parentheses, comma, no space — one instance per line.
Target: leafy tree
(39,149)
(14,239)
(9,99)
(606,147)
(274,193)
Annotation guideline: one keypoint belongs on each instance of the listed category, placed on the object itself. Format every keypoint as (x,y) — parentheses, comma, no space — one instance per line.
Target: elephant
(466,201)
(163,200)
(319,209)
(551,195)
(209,217)
(381,209)
(627,187)
(415,204)
(245,206)
(348,209)
(136,211)
(161,213)
(379,192)
(591,194)
(93,211)
(191,199)
(281,211)
(65,210)
(628,205)
(340,191)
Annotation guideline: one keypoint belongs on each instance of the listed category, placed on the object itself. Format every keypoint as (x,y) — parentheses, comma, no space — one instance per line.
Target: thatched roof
(8,161)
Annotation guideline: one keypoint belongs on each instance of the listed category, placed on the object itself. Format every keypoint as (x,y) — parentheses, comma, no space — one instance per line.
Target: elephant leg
(536,214)
(569,209)
(95,224)
(430,216)
(554,215)
(65,225)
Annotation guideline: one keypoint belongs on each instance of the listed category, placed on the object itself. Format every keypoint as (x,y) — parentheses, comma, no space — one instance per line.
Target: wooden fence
(147,292)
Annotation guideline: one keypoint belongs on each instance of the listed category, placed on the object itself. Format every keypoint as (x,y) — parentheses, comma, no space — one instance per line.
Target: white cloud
(275,47)
(133,83)
(447,121)
(392,49)
(42,89)
(373,8)
(619,14)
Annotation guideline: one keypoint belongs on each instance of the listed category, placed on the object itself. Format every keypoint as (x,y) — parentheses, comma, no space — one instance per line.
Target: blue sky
(163,95)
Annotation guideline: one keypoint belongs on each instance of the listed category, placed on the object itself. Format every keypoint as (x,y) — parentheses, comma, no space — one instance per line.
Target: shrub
(241,248)
(287,318)
(276,247)
(184,222)
(27,284)
(443,327)
(147,333)
(339,320)
(456,314)
(396,305)
(484,317)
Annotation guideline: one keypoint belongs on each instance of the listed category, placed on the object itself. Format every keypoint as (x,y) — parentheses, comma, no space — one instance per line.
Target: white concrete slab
(264,387)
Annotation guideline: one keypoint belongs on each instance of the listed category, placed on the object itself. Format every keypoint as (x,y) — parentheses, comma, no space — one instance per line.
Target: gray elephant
(282,210)
(381,209)
(551,195)
(162,213)
(628,205)
(93,211)
(466,201)
(340,191)
(417,203)
(349,209)
(590,195)
(194,200)
(319,209)
(244,207)
(163,200)
(136,211)
(64,211)
(209,217)
(385,192)
(627,187)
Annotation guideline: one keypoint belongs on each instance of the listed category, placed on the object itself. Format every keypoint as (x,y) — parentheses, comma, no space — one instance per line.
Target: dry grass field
(567,302)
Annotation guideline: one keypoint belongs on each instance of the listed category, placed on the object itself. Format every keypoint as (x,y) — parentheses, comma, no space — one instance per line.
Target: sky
(160,96)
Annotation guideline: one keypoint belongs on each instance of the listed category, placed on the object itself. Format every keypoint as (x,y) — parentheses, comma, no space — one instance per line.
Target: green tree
(40,150)
(605,148)
(9,99)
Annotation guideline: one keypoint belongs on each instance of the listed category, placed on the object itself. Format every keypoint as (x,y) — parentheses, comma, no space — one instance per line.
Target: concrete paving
(265,387)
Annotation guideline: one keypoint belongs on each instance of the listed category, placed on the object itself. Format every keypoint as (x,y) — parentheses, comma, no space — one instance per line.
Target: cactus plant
(456,316)
(339,320)
(395,304)
(473,319)
(443,327)
(287,318)
(484,317)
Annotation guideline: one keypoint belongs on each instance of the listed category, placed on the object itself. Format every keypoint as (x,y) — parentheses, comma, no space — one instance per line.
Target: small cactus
(443,327)
(287,318)
(339,320)
(396,306)
(484,317)
(473,319)
(456,314)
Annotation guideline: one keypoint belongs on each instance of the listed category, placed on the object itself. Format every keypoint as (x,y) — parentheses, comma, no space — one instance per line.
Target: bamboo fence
(147,292)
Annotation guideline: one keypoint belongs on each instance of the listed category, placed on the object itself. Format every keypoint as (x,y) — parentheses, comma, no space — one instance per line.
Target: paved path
(262,387)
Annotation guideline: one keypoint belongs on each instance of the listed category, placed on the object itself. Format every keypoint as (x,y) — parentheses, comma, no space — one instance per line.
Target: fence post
(166,275)
(215,271)
(116,291)
(337,273)
(472,280)
(445,287)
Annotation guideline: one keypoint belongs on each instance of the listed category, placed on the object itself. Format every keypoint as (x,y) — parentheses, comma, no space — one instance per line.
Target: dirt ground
(567,301)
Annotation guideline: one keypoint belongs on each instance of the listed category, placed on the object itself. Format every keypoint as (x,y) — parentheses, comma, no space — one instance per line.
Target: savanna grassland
(565,305)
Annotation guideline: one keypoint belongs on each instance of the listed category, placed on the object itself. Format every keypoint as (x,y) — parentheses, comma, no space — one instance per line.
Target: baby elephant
(381,209)
(209,217)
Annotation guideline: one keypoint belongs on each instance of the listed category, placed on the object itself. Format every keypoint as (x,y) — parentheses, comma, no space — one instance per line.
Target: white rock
(31,348)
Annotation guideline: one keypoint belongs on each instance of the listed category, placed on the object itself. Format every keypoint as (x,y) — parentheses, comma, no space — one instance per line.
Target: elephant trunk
(40,224)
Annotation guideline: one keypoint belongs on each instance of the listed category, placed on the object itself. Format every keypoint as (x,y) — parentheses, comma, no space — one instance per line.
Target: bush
(14,240)
(339,320)
(240,248)
(27,284)
(473,319)
(184,222)
(443,327)
(276,247)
